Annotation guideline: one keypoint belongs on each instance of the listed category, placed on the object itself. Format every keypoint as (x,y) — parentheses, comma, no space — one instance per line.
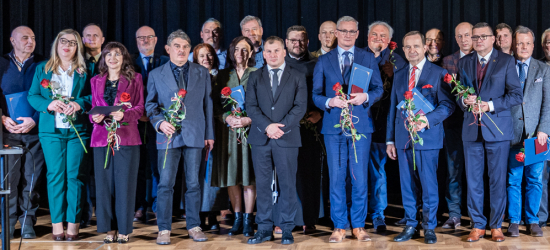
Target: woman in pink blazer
(116,154)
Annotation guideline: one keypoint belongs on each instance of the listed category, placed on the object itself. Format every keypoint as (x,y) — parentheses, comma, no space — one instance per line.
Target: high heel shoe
(237,224)
(58,237)
(72,237)
(109,239)
(123,239)
(248,224)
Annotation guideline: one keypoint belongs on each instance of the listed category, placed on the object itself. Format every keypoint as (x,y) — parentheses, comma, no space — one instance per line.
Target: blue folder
(421,105)
(238,94)
(359,79)
(18,106)
(531,156)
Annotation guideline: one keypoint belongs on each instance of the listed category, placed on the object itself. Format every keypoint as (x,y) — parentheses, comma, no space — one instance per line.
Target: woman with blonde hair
(63,75)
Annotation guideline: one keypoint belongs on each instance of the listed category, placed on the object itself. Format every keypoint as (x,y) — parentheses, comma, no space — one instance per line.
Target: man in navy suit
(495,80)
(144,62)
(196,132)
(335,66)
(427,78)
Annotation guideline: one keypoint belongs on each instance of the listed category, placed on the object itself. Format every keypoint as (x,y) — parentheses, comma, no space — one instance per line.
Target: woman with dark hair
(63,140)
(233,166)
(116,141)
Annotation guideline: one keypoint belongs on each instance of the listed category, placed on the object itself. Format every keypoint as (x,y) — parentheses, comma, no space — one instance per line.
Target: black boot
(248,229)
(237,225)
(202,216)
(213,223)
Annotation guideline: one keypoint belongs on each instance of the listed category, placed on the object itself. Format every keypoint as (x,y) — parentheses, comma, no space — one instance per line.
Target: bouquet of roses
(235,111)
(55,87)
(412,121)
(346,119)
(112,125)
(464,92)
(174,115)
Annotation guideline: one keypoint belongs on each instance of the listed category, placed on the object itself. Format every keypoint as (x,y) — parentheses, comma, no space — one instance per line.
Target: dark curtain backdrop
(119,19)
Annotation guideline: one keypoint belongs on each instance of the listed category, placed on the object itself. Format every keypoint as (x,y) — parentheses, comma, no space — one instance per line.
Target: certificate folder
(534,154)
(421,105)
(359,79)
(18,106)
(238,94)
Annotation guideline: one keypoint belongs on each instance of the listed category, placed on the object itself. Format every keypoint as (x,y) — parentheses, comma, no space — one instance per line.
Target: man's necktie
(412,80)
(147,65)
(483,63)
(181,83)
(347,67)
(522,76)
(92,59)
(274,81)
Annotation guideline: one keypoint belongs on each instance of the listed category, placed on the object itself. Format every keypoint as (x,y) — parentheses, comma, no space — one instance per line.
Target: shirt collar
(282,67)
(527,62)
(461,53)
(420,65)
(12,55)
(96,56)
(341,50)
(143,56)
(296,58)
(487,57)
(174,66)
(323,51)
(61,72)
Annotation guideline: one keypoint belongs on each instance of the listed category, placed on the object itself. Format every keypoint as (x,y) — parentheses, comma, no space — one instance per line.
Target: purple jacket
(129,134)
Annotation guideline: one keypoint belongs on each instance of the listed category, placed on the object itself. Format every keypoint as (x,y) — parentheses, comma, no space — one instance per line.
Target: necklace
(114,83)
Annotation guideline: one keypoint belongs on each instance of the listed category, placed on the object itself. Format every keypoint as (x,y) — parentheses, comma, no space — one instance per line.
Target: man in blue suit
(333,67)
(427,78)
(495,80)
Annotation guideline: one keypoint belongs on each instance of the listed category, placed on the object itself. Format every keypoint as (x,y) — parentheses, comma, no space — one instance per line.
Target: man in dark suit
(531,118)
(380,35)
(144,62)
(427,78)
(276,101)
(196,132)
(331,68)
(454,150)
(495,80)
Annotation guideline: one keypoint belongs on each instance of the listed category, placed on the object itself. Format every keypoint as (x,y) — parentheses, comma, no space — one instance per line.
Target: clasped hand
(472,100)
(358,99)
(273,131)
(420,124)
(238,122)
(60,107)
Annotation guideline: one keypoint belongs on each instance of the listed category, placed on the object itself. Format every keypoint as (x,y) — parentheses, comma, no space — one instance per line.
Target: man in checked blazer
(530,119)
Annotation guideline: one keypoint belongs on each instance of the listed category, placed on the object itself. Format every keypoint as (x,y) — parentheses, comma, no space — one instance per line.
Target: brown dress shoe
(476,234)
(163,237)
(337,235)
(496,235)
(361,234)
(197,235)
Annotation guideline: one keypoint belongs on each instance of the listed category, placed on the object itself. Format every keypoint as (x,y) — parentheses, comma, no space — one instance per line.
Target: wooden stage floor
(144,237)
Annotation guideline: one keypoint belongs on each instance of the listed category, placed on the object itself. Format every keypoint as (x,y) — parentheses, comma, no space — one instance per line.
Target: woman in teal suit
(66,72)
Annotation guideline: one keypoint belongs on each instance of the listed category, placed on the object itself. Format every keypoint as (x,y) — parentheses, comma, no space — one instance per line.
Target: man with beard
(211,33)
(379,37)
(435,40)
(504,38)
(251,27)
(326,37)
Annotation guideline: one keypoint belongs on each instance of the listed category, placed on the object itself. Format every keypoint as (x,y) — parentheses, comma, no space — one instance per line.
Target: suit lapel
(336,64)
(76,82)
(358,57)
(139,62)
(282,83)
(493,60)
(267,83)
(531,75)
(193,76)
(100,87)
(122,87)
(168,78)
(424,76)
(472,71)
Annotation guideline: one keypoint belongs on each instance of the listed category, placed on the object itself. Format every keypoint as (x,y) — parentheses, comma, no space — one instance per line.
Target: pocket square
(538,79)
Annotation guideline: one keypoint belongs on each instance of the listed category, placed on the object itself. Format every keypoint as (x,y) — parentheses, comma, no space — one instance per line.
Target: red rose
(408,95)
(448,78)
(125,97)
(182,93)
(226,91)
(45,83)
(520,157)
(393,45)
(337,87)
(427,86)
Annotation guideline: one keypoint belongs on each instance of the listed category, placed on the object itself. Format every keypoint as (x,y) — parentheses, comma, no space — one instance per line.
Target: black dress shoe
(513,230)
(401,222)
(248,224)
(261,236)
(429,236)
(237,224)
(287,238)
(407,234)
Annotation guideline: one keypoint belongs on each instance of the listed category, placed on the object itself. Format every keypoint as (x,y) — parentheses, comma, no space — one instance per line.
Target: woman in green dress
(233,165)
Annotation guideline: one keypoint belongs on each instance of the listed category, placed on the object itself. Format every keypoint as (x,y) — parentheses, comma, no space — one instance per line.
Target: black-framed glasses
(143,38)
(72,43)
(482,37)
(348,32)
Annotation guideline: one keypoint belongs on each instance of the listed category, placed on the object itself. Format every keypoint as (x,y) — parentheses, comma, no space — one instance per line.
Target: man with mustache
(144,62)
(379,37)
(504,38)
(326,37)
(17,70)
(435,40)
(251,27)
(212,34)
(453,132)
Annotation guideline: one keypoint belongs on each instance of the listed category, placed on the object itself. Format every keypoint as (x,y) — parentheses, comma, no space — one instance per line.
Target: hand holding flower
(57,106)
(98,118)
(71,108)
(118,115)
(167,128)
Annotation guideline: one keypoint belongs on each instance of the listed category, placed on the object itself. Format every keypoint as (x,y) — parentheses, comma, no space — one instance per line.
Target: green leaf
(337,126)
(125,123)
(421,141)
(471,91)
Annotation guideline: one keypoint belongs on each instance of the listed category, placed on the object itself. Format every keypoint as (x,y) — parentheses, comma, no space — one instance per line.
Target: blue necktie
(147,65)
(347,67)
(521,71)
(483,63)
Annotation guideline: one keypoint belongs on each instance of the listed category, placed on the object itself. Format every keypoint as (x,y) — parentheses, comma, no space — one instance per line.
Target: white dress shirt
(279,74)
(66,89)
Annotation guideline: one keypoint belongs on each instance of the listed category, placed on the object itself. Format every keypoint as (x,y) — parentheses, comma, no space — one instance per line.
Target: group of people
(170,109)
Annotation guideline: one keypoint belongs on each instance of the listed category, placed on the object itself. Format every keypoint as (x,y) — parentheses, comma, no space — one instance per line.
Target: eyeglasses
(143,38)
(482,37)
(72,43)
(348,32)
(296,41)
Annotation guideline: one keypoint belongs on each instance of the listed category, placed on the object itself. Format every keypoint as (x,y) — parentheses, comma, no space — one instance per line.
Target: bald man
(17,70)
(145,61)
(92,37)
(327,38)
(435,41)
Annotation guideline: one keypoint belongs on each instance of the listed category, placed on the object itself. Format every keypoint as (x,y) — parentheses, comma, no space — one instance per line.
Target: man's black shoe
(261,236)
(28,232)
(401,222)
(407,234)
(287,238)
(429,236)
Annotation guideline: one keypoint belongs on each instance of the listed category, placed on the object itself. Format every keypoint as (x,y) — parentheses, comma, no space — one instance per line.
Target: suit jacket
(501,86)
(450,63)
(129,134)
(327,73)
(287,107)
(158,60)
(533,115)
(198,123)
(40,98)
(317,53)
(439,96)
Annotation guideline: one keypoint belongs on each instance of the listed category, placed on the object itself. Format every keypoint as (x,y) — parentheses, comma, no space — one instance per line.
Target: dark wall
(120,18)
